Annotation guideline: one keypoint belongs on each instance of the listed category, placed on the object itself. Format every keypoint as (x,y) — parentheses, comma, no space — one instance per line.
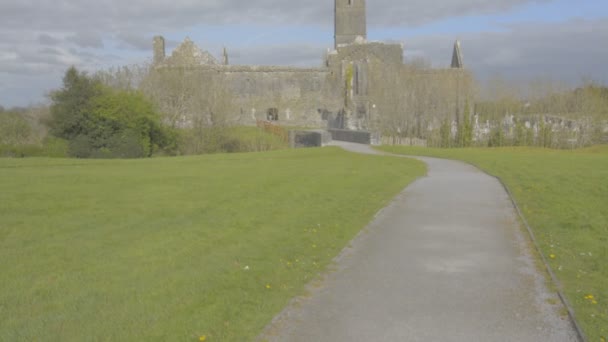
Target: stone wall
(300,96)
(307,139)
(359,137)
(342,94)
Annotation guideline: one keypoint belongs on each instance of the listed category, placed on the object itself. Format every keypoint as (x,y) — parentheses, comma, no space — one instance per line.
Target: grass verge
(172,249)
(564,197)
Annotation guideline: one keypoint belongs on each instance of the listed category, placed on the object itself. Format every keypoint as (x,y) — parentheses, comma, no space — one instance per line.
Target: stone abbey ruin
(359,85)
(350,90)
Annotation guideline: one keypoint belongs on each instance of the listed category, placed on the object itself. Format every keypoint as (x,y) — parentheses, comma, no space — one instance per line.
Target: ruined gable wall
(412,101)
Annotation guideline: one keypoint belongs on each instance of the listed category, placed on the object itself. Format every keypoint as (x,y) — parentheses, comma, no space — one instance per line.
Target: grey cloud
(566,51)
(146,15)
(418,12)
(137,41)
(46,39)
(50,51)
(29,60)
(87,40)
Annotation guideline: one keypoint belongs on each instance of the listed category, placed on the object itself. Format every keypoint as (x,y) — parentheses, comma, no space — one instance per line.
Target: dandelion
(202,338)
(552,256)
(268,286)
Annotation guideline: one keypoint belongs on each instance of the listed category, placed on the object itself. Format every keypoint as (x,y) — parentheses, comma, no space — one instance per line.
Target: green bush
(101,122)
(20,151)
(227,140)
(55,147)
(445,133)
(51,147)
(128,144)
(80,147)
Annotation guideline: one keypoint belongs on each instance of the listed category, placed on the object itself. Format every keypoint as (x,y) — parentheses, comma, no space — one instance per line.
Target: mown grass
(564,197)
(171,249)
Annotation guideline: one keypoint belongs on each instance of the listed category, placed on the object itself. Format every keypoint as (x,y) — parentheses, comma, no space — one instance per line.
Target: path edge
(560,293)
(310,287)
(579,331)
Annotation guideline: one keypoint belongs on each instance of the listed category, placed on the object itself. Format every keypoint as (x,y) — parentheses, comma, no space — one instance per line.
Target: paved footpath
(445,261)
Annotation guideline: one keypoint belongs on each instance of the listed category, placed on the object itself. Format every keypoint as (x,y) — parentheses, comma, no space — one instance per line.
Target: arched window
(272,114)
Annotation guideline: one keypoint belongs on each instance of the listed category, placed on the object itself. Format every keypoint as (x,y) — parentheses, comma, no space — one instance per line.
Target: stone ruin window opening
(273,114)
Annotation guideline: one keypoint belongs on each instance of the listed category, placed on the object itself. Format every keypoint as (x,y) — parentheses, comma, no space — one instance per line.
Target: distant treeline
(588,101)
(88,118)
(138,111)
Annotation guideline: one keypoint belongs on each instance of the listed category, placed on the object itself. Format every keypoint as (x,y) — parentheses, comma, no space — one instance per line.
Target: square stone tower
(159,49)
(350,21)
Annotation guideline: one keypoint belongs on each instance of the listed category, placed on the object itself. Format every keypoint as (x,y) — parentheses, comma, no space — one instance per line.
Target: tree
(545,134)
(445,133)
(102,122)
(187,96)
(520,137)
(497,137)
(71,109)
(464,136)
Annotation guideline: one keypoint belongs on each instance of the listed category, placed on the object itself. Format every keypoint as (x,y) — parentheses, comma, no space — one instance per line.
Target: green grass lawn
(564,197)
(171,249)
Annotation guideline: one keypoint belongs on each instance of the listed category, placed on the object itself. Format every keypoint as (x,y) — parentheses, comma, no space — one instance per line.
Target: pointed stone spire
(457,56)
(225,56)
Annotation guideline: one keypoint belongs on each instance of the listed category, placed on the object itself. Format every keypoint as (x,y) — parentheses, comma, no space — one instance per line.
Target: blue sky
(520,39)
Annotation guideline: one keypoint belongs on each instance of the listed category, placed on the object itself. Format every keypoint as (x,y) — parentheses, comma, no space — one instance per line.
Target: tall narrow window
(356,85)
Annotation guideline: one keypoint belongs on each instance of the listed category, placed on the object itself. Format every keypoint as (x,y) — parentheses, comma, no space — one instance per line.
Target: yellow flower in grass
(268,286)
(203,338)
(591,299)
(552,256)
